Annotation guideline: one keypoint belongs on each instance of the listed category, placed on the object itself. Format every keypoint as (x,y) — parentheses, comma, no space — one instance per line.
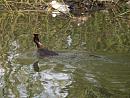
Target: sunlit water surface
(72,74)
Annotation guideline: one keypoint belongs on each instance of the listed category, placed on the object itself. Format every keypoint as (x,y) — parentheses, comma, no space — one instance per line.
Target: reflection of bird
(35,66)
(42,51)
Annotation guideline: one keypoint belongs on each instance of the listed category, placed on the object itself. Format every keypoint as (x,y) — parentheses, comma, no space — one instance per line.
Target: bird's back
(44,52)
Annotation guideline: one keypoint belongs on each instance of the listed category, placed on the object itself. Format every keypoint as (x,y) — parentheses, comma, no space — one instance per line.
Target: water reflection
(52,80)
(1,81)
(26,75)
(36,66)
(74,73)
(54,84)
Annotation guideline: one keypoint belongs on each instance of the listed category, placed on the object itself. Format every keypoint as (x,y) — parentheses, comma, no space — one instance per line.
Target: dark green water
(73,74)
(76,73)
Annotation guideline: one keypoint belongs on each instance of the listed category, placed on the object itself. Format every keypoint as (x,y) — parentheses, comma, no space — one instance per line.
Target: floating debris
(69,40)
(55,13)
(59,8)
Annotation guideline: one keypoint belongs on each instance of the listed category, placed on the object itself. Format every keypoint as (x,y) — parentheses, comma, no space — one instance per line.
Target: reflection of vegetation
(101,32)
(82,88)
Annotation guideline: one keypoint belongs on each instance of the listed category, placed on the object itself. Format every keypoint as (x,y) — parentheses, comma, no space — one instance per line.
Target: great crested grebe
(42,51)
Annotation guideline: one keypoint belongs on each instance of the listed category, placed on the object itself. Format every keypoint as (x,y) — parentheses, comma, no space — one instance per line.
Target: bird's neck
(38,43)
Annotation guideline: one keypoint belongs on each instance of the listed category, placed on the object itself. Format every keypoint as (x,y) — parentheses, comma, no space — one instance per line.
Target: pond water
(72,74)
(79,71)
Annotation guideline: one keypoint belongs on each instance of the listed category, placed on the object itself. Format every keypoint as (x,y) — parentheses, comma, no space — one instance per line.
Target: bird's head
(36,38)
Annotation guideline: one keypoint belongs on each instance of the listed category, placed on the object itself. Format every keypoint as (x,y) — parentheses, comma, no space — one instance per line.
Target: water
(72,74)
(79,71)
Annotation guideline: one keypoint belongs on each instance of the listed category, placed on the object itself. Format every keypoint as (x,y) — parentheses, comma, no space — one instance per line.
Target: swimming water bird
(42,50)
